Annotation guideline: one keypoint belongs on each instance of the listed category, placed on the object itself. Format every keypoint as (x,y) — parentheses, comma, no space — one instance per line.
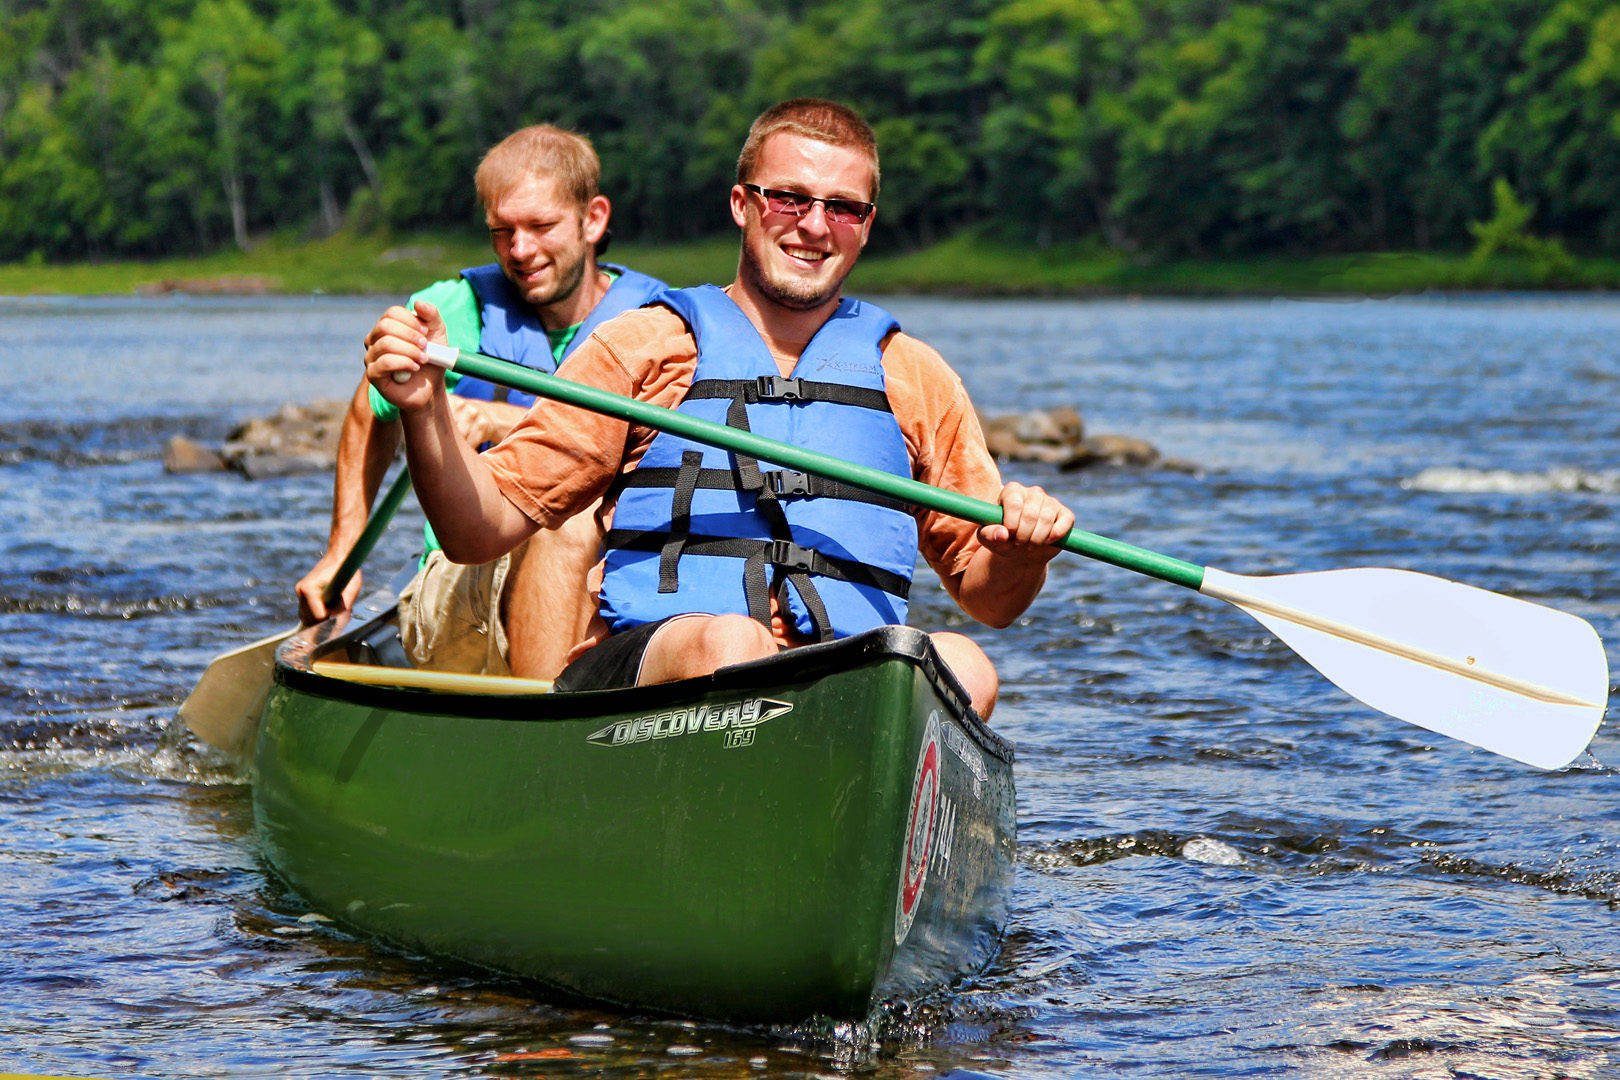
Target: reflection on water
(1226,867)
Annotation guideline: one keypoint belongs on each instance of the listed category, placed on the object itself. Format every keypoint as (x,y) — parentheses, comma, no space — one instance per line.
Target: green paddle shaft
(914,492)
(380,517)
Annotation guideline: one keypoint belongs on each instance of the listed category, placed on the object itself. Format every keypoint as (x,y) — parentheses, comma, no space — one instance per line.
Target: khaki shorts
(449,617)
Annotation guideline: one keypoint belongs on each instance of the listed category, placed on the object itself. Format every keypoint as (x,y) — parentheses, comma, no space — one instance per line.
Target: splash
(174,756)
(1214,852)
(1449,480)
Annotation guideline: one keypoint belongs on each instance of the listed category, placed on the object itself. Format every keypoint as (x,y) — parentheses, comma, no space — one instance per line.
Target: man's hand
(396,360)
(1033,524)
(312,606)
(1004,576)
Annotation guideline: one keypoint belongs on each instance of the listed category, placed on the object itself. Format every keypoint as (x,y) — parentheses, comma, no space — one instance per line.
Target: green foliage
(1508,231)
(654,74)
(1558,135)
(1162,128)
(1050,139)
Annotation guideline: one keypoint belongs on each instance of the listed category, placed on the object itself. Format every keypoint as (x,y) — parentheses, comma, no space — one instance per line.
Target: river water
(1227,867)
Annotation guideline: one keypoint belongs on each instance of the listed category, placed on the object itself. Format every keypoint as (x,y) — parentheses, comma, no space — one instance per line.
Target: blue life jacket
(698,529)
(511,330)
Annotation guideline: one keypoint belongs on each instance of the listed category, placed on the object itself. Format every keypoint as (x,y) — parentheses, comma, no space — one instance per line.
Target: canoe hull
(775,842)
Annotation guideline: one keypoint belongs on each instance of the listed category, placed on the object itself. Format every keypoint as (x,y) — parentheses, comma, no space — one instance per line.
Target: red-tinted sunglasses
(797,204)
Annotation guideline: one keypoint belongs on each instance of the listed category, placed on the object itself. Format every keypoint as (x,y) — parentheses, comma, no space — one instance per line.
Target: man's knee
(699,644)
(733,639)
(972,669)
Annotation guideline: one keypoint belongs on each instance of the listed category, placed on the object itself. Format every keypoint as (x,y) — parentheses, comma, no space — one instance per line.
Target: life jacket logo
(732,717)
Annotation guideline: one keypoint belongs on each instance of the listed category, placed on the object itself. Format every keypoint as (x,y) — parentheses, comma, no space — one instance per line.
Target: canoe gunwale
(296,656)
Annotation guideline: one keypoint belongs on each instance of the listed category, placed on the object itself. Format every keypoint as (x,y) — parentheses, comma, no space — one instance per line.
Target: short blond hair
(814,118)
(540,150)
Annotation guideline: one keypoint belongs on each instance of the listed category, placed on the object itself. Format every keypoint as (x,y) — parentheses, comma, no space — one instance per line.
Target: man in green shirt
(547,224)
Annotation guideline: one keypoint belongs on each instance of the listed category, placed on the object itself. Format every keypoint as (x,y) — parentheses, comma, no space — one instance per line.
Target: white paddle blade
(223,710)
(1512,677)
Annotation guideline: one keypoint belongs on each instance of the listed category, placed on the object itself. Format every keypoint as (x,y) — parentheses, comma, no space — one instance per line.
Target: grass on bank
(967,264)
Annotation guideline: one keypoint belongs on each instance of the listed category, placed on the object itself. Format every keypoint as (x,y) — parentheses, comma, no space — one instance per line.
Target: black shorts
(614,663)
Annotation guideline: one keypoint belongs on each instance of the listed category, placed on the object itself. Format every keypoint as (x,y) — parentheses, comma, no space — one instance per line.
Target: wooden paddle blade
(1512,677)
(223,710)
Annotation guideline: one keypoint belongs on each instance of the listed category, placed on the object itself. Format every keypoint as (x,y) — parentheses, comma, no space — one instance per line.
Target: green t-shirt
(458,306)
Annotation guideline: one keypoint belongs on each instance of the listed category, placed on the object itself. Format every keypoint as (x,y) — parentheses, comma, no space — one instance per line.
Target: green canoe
(809,835)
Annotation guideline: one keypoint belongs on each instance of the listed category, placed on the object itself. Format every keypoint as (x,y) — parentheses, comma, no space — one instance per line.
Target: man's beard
(569,277)
(792,294)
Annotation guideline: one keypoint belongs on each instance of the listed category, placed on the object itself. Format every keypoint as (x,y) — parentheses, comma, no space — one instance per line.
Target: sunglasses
(797,204)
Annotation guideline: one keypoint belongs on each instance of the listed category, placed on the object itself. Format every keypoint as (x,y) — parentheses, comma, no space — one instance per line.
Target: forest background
(1038,144)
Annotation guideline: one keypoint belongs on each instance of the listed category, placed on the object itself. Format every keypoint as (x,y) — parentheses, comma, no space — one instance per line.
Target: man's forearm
(1006,573)
(473,521)
(995,589)
(366,445)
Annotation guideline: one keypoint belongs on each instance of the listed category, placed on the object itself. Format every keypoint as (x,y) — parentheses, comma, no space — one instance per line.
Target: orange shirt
(560,458)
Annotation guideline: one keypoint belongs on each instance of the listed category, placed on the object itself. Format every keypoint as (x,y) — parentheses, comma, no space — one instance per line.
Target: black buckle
(776,388)
(788,482)
(788,555)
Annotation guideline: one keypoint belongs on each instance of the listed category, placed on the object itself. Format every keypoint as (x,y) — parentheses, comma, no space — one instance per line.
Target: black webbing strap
(680,520)
(783,483)
(783,554)
(750,479)
(757,588)
(813,603)
(756,583)
(779,388)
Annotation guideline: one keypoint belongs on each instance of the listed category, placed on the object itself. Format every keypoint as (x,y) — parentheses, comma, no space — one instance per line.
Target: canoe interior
(807,835)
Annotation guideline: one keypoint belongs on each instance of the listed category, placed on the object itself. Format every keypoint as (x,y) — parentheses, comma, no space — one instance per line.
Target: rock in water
(296,439)
(1113,450)
(1058,437)
(184,456)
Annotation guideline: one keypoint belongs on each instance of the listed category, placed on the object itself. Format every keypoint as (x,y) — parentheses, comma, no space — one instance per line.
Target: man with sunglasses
(712,559)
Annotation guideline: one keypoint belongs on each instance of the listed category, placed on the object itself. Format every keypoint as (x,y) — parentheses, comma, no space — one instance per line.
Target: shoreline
(965,266)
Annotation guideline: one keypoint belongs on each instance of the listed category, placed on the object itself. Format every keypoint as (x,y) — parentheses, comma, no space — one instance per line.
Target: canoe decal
(736,718)
(972,759)
(920,823)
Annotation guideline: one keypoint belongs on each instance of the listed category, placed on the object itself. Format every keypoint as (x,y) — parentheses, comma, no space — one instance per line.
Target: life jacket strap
(783,483)
(820,622)
(750,480)
(680,520)
(778,388)
(785,554)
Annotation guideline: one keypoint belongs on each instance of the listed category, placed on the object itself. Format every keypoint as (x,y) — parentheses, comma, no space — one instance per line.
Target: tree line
(144,127)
